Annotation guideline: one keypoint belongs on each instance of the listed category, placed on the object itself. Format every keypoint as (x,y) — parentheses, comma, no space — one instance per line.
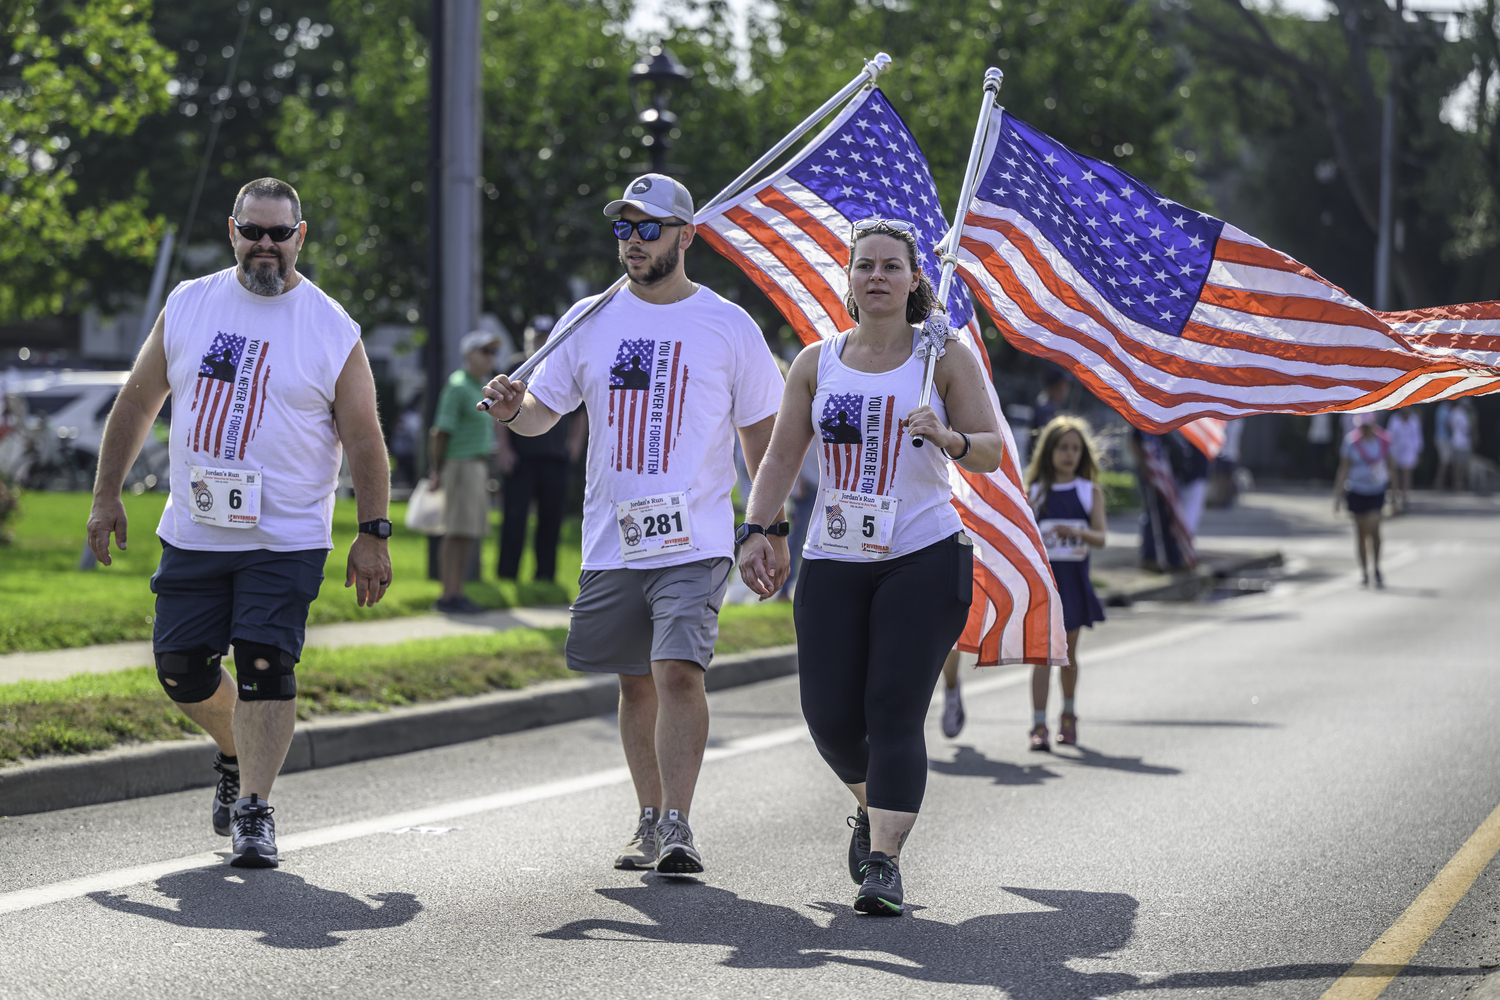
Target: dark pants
(871,640)
(545,480)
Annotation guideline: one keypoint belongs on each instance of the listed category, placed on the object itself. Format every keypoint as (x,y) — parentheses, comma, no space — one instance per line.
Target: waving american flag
(1170,315)
(790,235)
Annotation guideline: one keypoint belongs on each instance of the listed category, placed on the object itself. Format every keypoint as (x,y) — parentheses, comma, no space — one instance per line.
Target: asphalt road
(1263,786)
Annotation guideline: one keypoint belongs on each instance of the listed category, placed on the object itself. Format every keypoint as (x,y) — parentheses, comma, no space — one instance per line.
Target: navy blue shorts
(215,598)
(1363,503)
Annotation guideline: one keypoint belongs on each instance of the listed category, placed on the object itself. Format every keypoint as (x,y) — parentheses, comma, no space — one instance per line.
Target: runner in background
(1405,431)
(887,573)
(1365,466)
(1069,509)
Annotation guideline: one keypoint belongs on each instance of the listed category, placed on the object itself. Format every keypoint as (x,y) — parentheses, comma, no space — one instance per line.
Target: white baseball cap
(658,196)
(475,339)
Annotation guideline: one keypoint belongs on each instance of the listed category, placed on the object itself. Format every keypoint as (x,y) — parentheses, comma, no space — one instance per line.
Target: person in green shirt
(462,439)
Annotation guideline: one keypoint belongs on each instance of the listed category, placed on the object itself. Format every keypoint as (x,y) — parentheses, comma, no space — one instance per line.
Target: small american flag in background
(1169,314)
(790,235)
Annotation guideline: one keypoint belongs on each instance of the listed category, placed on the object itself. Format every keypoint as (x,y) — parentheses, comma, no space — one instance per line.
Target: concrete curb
(1186,586)
(159,768)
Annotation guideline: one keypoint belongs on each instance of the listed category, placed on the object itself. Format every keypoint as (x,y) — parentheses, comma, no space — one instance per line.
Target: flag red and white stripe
(1207,434)
(790,240)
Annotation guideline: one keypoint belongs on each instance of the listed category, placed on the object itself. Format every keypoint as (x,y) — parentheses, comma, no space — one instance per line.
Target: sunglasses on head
(278,234)
(876,225)
(649,230)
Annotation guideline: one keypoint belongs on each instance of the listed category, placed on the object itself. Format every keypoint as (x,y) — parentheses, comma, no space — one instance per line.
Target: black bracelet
(967,445)
(513,416)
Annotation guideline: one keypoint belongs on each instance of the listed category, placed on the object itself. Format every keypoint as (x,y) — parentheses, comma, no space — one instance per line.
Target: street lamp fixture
(651,83)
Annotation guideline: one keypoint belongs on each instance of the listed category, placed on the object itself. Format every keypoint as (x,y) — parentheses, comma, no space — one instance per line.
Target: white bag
(424,511)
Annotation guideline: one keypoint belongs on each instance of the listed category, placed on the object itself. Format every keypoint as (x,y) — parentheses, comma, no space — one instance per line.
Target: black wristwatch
(380,528)
(780,529)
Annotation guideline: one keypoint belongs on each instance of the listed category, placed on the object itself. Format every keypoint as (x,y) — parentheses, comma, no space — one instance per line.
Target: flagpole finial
(993,77)
(878,65)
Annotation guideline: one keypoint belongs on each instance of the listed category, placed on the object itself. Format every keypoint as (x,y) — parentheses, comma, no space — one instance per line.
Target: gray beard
(663,267)
(262,280)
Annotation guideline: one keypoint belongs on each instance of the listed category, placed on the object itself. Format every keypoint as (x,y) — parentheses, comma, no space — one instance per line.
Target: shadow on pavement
(1190,723)
(970,763)
(1024,954)
(283,908)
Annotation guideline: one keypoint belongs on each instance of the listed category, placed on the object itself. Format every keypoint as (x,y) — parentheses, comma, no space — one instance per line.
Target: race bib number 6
(224,498)
(653,526)
(858,524)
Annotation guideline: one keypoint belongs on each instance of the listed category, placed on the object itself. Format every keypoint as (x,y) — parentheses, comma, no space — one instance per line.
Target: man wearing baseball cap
(669,371)
(460,465)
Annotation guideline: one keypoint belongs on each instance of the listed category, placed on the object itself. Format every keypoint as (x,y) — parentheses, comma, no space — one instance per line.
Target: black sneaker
(227,793)
(458,604)
(880,893)
(859,844)
(254,835)
(674,842)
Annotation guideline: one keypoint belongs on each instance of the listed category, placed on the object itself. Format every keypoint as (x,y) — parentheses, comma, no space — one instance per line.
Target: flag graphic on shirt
(789,234)
(862,440)
(229,398)
(647,391)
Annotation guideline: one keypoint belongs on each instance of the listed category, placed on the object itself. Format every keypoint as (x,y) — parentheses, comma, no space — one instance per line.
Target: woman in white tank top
(887,573)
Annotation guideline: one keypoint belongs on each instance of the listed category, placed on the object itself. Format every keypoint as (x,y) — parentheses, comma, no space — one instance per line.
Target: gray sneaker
(253,834)
(640,852)
(674,840)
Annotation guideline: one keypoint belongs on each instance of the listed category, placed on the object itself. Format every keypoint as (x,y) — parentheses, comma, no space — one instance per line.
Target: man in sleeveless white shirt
(270,385)
(668,371)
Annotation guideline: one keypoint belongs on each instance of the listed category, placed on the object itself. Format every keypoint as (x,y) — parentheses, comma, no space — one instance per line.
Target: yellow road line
(1372,973)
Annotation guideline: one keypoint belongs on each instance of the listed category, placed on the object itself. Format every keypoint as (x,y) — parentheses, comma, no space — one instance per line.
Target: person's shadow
(971,763)
(283,908)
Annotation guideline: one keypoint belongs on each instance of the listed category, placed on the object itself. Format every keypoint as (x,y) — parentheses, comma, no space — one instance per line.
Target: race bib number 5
(858,524)
(653,526)
(224,498)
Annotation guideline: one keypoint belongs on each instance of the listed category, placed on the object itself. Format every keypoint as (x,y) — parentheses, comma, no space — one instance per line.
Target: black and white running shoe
(674,843)
(254,835)
(227,793)
(880,893)
(640,851)
(859,844)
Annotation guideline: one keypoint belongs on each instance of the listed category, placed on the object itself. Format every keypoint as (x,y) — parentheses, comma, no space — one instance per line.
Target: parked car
(54,426)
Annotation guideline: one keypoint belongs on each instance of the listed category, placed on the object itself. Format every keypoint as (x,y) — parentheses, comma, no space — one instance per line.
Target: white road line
(120,878)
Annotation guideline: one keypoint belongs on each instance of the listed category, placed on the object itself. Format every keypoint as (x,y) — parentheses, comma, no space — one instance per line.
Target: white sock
(1039,717)
(1068,705)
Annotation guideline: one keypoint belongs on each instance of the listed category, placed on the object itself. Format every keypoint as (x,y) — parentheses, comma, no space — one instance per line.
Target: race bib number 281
(224,498)
(653,526)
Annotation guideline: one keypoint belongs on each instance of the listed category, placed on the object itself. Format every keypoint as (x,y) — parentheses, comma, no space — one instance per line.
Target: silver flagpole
(868,75)
(948,250)
(872,69)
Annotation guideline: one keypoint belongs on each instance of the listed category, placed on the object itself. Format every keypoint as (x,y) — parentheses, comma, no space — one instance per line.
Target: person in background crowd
(1052,400)
(404,443)
(1160,551)
(1190,468)
(1069,508)
(1461,439)
(1365,467)
(1443,443)
(462,441)
(1405,431)
(535,468)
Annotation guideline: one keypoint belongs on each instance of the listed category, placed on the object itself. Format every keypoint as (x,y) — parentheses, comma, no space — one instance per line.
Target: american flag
(230,393)
(631,405)
(789,234)
(1207,434)
(1169,314)
(1159,479)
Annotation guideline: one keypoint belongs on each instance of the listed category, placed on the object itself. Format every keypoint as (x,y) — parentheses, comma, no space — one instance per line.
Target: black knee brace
(273,683)
(194,673)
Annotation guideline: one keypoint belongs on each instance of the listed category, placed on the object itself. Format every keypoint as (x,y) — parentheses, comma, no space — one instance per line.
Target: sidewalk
(55,664)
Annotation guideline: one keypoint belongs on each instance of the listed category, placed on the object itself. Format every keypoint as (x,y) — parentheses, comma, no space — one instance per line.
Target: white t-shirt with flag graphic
(252,380)
(665,387)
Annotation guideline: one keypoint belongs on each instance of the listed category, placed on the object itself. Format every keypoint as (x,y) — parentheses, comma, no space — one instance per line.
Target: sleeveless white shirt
(859,421)
(252,381)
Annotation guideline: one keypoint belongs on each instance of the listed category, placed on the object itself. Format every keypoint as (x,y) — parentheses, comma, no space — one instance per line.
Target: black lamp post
(651,82)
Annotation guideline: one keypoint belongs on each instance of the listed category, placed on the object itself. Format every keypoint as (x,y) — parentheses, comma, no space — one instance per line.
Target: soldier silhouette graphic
(842,431)
(633,376)
(220,365)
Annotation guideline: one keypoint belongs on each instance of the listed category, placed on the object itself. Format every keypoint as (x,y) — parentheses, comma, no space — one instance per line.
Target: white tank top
(859,421)
(252,381)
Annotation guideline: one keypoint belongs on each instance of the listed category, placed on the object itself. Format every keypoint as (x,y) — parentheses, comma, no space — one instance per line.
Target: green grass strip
(90,712)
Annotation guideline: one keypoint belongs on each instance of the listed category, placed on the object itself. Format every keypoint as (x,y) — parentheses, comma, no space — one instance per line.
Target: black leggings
(871,640)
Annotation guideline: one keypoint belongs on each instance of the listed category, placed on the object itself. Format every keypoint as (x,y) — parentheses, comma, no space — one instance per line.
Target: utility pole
(460,210)
(1388,171)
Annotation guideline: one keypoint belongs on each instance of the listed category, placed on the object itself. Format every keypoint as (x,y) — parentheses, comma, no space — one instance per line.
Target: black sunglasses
(649,230)
(279,234)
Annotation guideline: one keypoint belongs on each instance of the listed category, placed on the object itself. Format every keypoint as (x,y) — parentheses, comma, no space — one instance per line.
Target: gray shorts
(625,618)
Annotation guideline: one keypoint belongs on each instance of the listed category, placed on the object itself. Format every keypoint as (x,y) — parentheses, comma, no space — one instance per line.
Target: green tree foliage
(69,70)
